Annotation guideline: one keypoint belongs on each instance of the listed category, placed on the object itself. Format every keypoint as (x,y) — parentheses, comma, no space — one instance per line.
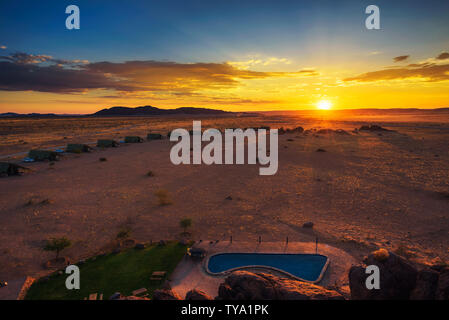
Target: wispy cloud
(400,58)
(429,70)
(257,61)
(443,56)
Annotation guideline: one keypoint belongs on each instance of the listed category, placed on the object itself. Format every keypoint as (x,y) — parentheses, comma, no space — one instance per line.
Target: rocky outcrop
(372,128)
(443,285)
(197,295)
(165,294)
(243,285)
(426,285)
(397,278)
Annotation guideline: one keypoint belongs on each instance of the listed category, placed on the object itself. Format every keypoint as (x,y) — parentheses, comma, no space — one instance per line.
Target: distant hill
(27,115)
(124,111)
(149,110)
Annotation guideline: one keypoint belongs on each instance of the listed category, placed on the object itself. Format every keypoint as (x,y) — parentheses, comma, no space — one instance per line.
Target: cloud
(43,73)
(26,58)
(31,77)
(257,61)
(430,70)
(400,58)
(443,56)
(424,71)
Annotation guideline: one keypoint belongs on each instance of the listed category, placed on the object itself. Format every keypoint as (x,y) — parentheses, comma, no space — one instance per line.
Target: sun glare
(324,105)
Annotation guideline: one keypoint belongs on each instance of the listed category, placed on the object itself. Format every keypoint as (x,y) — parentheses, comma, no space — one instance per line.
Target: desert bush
(57,244)
(150,173)
(123,234)
(185,223)
(163,197)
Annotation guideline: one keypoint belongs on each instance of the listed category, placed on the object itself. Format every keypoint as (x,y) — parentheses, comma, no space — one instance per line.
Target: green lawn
(123,272)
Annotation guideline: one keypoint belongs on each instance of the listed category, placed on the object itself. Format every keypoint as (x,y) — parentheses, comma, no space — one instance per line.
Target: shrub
(163,197)
(185,223)
(57,244)
(123,234)
(150,173)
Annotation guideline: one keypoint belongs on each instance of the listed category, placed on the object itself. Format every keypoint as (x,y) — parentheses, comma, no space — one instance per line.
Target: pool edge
(229,271)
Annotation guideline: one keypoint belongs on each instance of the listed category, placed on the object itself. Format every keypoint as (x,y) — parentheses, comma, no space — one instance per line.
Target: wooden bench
(139,291)
(158,275)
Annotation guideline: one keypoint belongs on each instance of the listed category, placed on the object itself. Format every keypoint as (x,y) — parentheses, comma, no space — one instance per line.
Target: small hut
(42,155)
(133,139)
(11,169)
(104,143)
(154,136)
(77,148)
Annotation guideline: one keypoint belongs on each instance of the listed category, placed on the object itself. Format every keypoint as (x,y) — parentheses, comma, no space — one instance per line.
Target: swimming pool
(308,267)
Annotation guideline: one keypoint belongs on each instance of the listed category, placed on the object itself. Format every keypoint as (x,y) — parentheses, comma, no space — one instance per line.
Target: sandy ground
(366,191)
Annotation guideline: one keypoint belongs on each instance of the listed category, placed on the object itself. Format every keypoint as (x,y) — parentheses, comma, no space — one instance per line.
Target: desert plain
(365,191)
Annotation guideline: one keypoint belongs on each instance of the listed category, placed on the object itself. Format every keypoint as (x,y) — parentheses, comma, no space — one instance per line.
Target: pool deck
(191,274)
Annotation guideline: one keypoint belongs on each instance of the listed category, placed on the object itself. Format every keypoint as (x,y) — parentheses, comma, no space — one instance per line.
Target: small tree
(123,234)
(57,244)
(185,223)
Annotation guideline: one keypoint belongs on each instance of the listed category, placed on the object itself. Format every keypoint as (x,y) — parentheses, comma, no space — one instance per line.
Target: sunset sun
(324,105)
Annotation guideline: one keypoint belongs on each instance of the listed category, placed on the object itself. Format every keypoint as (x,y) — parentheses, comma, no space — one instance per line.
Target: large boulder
(443,285)
(426,285)
(197,295)
(397,278)
(243,285)
(165,294)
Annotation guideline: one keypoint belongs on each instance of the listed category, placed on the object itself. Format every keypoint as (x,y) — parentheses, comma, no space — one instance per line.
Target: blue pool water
(304,266)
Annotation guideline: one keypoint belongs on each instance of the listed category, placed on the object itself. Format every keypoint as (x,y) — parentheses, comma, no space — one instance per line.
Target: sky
(231,55)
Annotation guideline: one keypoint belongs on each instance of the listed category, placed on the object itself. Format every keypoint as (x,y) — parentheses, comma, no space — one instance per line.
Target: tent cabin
(154,136)
(196,252)
(104,143)
(42,155)
(133,139)
(77,148)
(11,169)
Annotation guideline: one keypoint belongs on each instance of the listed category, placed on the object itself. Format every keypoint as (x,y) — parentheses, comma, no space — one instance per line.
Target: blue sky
(192,31)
